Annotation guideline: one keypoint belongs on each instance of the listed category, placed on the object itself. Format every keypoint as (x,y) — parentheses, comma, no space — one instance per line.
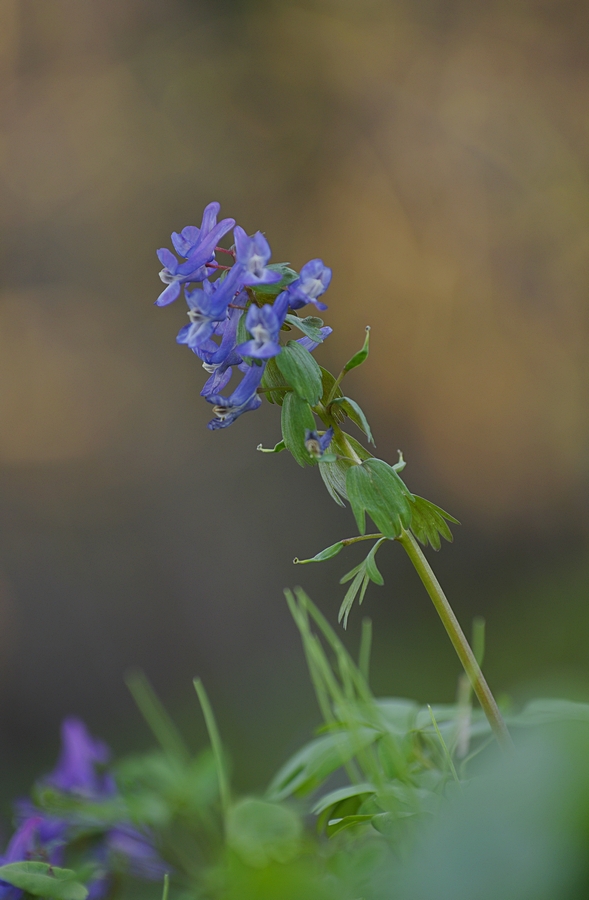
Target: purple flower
(317,444)
(243,399)
(312,282)
(208,306)
(198,246)
(252,254)
(213,355)
(76,772)
(264,326)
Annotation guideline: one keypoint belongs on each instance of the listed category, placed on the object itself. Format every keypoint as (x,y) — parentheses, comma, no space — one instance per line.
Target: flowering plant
(379,770)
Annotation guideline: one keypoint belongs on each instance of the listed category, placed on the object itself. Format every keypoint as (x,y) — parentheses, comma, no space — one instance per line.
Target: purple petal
(310,345)
(169,294)
(209,217)
(167,259)
(256,350)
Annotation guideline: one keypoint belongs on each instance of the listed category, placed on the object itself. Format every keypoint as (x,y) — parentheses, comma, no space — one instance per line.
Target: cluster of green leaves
(305,390)
(380,777)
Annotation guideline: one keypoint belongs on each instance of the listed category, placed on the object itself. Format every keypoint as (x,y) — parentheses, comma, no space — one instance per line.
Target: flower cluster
(59,819)
(237,313)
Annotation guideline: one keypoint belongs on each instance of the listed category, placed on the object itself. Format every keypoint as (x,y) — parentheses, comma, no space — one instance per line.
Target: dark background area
(436,155)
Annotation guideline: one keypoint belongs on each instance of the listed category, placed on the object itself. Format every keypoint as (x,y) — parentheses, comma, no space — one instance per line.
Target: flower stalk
(458,639)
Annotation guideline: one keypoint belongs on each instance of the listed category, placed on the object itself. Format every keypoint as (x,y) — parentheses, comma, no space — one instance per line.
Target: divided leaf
(301,370)
(428,522)
(375,488)
(297,417)
(361,574)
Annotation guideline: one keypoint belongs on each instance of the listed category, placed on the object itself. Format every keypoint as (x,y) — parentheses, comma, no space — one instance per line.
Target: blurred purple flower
(28,842)
(136,851)
(317,444)
(76,771)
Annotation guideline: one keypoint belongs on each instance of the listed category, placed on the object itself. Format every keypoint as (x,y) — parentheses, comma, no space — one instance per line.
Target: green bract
(297,418)
(359,357)
(334,473)
(310,326)
(428,522)
(273,378)
(374,487)
(301,371)
(355,413)
(323,555)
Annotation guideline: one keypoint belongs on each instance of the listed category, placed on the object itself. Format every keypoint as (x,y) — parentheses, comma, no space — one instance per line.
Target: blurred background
(435,153)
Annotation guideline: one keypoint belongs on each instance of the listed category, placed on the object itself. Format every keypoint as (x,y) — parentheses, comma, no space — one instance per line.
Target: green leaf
(428,522)
(375,488)
(328,381)
(43,880)
(301,371)
(310,326)
(359,357)
(312,764)
(371,568)
(355,413)
(323,555)
(334,826)
(349,575)
(273,378)
(243,334)
(259,832)
(352,790)
(297,417)
(545,710)
(334,479)
(359,584)
(269,291)
(278,448)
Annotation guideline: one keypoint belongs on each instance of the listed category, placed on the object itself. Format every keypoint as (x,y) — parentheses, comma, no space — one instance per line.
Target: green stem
(361,537)
(458,638)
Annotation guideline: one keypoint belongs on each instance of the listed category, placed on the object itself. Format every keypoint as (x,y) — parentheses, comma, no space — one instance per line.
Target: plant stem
(361,537)
(458,638)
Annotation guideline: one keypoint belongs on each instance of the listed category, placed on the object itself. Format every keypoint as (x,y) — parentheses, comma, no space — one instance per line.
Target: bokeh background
(436,154)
